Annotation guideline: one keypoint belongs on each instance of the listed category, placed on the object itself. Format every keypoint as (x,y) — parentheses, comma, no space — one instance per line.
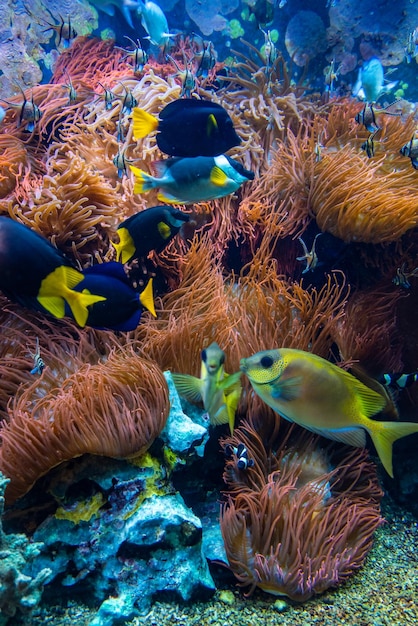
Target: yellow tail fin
(146,298)
(143,123)
(125,249)
(384,434)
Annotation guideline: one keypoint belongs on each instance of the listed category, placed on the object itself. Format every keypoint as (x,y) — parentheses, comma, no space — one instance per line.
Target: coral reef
(302,519)
(20,592)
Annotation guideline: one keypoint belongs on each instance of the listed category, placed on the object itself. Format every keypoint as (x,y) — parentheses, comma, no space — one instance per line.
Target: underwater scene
(208,291)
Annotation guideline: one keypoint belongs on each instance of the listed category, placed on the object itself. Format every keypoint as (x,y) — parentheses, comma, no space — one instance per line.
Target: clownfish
(219,393)
(241,454)
(323,398)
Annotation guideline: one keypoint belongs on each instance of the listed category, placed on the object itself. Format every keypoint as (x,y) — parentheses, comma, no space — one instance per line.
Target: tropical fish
(241,454)
(155,23)
(401,278)
(368,146)
(194,179)
(186,76)
(410,150)
(121,161)
(369,114)
(128,100)
(64,31)
(2,114)
(411,48)
(125,6)
(138,54)
(206,57)
(121,306)
(38,362)
(37,275)
(310,256)
(29,112)
(151,229)
(325,399)
(219,394)
(108,96)
(188,127)
(399,380)
(370,82)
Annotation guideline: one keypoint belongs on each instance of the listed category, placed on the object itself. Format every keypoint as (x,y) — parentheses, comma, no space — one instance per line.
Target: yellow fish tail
(143,181)
(143,123)
(384,434)
(146,298)
(125,249)
(78,303)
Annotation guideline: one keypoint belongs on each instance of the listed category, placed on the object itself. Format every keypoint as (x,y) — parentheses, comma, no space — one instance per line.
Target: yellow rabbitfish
(219,392)
(325,399)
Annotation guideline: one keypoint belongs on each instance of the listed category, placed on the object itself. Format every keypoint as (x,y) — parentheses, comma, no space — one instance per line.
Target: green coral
(235,29)
(18,591)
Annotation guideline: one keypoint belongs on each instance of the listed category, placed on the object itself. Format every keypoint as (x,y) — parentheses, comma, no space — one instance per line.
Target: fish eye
(203,355)
(266,361)
(222,359)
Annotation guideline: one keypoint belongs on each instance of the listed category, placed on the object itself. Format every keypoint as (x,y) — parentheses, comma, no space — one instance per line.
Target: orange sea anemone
(305,522)
(115,408)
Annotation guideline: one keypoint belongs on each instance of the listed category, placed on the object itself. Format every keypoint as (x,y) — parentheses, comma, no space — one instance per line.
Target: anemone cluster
(236,280)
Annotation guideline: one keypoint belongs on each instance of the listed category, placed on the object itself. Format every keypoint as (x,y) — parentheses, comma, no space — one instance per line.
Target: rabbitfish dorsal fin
(371,401)
(188,386)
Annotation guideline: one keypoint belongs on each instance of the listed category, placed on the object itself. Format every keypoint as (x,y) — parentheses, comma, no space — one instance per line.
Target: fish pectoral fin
(231,401)
(143,123)
(164,230)
(211,125)
(188,387)
(384,434)
(218,177)
(146,298)
(125,249)
(230,381)
(221,416)
(287,390)
(168,199)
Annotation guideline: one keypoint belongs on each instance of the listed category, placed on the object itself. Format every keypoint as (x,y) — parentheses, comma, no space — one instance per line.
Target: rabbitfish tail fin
(143,181)
(143,123)
(384,434)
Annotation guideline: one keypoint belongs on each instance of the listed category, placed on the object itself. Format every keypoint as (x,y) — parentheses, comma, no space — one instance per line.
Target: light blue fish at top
(125,6)
(2,114)
(370,82)
(155,23)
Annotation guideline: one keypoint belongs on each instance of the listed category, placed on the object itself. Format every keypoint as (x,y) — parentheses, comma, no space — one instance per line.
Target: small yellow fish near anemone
(325,399)
(219,392)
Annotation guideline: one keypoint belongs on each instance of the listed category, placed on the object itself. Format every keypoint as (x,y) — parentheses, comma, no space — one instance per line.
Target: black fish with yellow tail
(121,306)
(151,229)
(37,275)
(188,128)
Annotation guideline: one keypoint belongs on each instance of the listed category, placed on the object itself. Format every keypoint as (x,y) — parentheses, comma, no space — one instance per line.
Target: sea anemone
(302,519)
(115,408)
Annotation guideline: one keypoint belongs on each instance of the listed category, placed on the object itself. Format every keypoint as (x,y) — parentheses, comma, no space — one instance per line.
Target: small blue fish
(370,82)
(155,23)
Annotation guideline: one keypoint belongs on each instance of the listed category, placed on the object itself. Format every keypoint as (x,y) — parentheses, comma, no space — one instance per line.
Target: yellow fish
(219,393)
(325,399)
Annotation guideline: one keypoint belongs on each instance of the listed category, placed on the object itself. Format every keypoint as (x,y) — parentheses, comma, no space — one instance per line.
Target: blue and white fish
(38,362)
(155,23)
(125,6)
(370,82)
(192,179)
(241,454)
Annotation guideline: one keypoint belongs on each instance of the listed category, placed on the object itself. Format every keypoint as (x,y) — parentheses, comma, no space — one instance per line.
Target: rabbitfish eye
(203,355)
(266,361)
